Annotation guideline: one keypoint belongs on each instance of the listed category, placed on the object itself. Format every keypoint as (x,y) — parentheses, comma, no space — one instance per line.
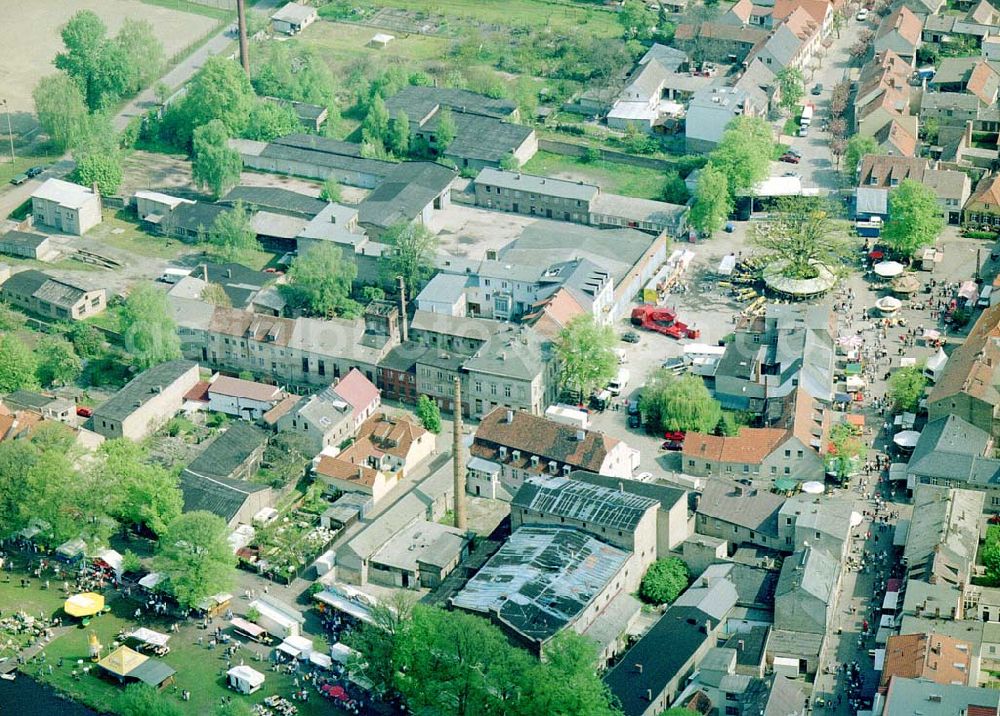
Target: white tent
(113,559)
(298,647)
(889,269)
(244,679)
(341,652)
(935,365)
(906,439)
(149,636)
(151,580)
(321,660)
(727,265)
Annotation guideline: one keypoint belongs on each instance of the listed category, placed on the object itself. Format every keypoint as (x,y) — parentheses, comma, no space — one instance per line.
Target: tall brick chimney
(459,458)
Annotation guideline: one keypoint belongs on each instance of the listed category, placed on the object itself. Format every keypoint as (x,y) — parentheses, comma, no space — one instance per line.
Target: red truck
(662,320)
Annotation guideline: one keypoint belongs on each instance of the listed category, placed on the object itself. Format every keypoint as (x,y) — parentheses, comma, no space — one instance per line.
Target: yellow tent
(122,661)
(84,605)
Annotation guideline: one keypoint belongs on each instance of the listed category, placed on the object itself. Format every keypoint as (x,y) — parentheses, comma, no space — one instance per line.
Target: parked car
(35,171)
(675,435)
(672,445)
(817,88)
(19,179)
(633,407)
(676,365)
(804,131)
(790,158)
(83,411)
(862,14)
(635,420)
(630,337)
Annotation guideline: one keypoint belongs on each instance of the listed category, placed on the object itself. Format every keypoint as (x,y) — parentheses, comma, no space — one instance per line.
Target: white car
(862,14)
(644,477)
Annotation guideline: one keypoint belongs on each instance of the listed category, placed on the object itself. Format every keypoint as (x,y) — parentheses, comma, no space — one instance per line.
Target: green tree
(215,294)
(509,162)
(195,557)
(638,22)
(674,191)
(412,255)
(566,682)
(145,493)
(231,235)
(664,581)
(802,233)
(17,457)
(220,91)
(58,363)
(585,350)
(97,165)
(429,414)
(142,700)
(398,135)
(712,201)
(216,165)
(331,191)
(744,153)
(148,327)
(319,282)
(61,111)
(269,120)
(791,85)
(906,387)
(683,403)
(87,340)
(375,127)
(845,449)
(74,504)
(18,365)
(446,130)
(84,38)
(679,710)
(285,457)
(989,555)
(858,147)
(142,51)
(915,219)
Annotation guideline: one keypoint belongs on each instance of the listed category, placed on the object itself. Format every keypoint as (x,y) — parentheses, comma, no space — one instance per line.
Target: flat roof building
(65,206)
(147,401)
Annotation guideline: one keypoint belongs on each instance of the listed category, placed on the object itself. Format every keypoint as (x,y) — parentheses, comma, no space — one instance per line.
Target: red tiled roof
(199,392)
(356,390)
(239,388)
(752,445)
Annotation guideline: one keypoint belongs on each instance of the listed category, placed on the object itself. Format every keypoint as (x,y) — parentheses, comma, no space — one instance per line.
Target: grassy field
(535,13)
(611,177)
(193,7)
(341,43)
(199,669)
(125,235)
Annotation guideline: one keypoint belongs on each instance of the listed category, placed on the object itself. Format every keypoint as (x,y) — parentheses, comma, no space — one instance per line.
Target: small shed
(214,605)
(297,647)
(23,244)
(380,40)
(244,679)
(293,18)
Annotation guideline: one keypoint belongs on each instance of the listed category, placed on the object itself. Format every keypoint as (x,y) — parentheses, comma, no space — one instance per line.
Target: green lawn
(611,177)
(199,669)
(194,7)
(341,43)
(126,235)
(535,13)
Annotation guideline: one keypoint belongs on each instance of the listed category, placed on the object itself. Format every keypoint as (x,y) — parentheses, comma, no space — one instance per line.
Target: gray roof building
(712,592)
(666,495)
(311,149)
(530,183)
(944,534)
(141,389)
(730,502)
(275,199)
(710,111)
(805,591)
(952,449)
(220,496)
(420,103)
(907,697)
(229,452)
(598,506)
(404,193)
(541,580)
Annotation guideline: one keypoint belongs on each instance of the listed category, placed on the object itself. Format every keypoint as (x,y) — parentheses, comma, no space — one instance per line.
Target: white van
(620,382)
(984,297)
(807,115)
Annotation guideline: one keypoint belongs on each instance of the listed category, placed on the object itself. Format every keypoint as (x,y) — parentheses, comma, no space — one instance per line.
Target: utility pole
(10,132)
(458,457)
(241,14)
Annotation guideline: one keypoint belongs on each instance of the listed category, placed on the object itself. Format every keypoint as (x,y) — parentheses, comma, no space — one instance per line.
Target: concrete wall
(350,177)
(246,408)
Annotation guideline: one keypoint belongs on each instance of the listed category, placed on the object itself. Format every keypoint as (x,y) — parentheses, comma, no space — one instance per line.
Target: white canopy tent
(113,559)
(341,652)
(149,636)
(244,679)
(889,269)
(151,580)
(321,660)
(298,647)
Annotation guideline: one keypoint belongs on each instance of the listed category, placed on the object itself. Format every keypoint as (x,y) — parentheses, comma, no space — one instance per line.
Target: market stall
(86,604)
(244,679)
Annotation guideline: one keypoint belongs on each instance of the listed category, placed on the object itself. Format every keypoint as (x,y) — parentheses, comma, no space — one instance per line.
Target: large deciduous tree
(148,327)
(915,218)
(319,282)
(231,235)
(269,120)
(18,364)
(195,557)
(683,403)
(906,387)
(802,233)
(858,147)
(712,202)
(215,165)
(61,110)
(791,86)
(664,581)
(585,350)
(429,414)
(411,255)
(744,154)
(145,493)
(58,363)
(220,91)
